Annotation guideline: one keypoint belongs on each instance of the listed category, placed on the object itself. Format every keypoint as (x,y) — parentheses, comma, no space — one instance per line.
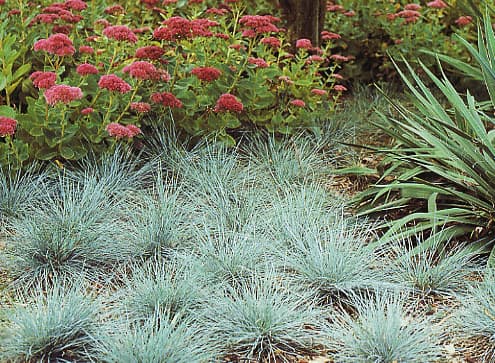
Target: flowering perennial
(7,126)
(206,74)
(142,70)
(140,107)
(120,131)
(114,83)
(85,69)
(176,28)
(228,102)
(121,33)
(62,94)
(166,99)
(58,44)
(43,80)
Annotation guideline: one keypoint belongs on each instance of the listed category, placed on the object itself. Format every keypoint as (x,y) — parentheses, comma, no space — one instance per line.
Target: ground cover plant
(186,205)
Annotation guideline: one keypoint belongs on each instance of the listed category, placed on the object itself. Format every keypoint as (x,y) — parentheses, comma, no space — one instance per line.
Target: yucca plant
(264,320)
(167,342)
(57,326)
(383,331)
(441,170)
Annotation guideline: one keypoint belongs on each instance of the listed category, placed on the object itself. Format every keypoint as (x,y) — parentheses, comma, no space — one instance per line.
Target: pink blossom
(7,126)
(140,107)
(43,80)
(113,82)
(437,4)
(258,62)
(298,103)
(304,43)
(272,42)
(121,33)
(318,92)
(142,70)
(149,52)
(85,69)
(464,20)
(207,74)
(62,94)
(166,99)
(87,111)
(58,44)
(86,49)
(119,131)
(340,88)
(228,102)
(415,7)
(326,35)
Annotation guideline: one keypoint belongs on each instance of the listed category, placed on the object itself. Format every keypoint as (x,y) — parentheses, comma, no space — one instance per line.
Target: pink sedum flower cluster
(228,103)
(58,44)
(119,131)
(62,94)
(7,126)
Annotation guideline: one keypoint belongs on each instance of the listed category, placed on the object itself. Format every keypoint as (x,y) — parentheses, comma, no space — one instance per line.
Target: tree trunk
(305,19)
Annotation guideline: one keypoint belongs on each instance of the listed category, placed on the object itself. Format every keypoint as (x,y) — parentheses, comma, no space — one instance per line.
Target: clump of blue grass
(158,220)
(289,161)
(56,326)
(229,260)
(220,189)
(383,330)
(170,290)
(333,261)
(263,321)
(166,342)
(436,269)
(294,210)
(20,191)
(120,173)
(75,233)
(475,317)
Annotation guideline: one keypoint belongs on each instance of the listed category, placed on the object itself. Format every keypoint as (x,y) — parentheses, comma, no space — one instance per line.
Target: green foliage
(263,319)
(265,79)
(442,165)
(383,331)
(375,32)
(58,326)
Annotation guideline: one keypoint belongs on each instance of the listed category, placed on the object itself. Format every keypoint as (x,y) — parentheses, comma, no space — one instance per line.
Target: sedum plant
(441,168)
